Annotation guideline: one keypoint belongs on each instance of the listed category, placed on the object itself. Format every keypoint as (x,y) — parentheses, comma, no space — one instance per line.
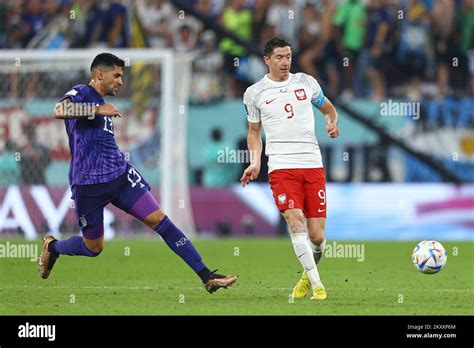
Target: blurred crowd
(362,48)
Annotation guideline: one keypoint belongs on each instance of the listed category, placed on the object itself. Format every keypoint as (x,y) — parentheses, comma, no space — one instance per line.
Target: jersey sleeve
(76,95)
(317,95)
(253,113)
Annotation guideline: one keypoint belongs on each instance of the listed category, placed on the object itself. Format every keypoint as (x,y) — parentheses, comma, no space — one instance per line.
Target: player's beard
(284,75)
(113,90)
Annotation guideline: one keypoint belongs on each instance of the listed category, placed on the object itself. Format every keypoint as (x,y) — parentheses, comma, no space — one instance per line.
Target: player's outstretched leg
(182,246)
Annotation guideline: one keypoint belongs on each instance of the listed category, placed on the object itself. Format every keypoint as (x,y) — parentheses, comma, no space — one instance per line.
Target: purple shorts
(129,192)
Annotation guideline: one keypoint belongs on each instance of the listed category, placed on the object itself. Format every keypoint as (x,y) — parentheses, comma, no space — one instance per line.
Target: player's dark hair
(273,43)
(108,60)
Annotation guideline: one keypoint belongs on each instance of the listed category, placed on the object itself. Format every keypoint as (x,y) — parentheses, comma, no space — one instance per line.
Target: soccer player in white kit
(282,102)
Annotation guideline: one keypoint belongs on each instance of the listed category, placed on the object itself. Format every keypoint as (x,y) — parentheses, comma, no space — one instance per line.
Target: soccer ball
(429,256)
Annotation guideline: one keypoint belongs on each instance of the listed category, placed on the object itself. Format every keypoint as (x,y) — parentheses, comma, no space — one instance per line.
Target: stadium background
(401,175)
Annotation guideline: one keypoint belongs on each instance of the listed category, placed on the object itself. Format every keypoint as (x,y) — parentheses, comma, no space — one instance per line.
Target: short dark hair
(108,60)
(273,43)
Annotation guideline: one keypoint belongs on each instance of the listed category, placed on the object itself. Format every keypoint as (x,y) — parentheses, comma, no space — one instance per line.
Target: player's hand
(333,130)
(109,110)
(250,173)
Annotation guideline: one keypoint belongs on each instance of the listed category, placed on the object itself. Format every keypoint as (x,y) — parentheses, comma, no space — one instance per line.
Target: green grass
(154,281)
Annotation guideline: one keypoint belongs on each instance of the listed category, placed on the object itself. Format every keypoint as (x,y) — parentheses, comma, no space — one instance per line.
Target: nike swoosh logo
(321,210)
(269,101)
(301,255)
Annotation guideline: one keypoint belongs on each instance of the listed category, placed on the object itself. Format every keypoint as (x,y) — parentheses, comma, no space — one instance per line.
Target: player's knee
(318,239)
(96,251)
(296,220)
(297,227)
(154,218)
(93,248)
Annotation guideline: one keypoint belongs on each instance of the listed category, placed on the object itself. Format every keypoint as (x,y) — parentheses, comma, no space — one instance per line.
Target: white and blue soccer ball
(429,256)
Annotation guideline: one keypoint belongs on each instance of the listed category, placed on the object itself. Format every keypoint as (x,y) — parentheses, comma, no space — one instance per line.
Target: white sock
(304,253)
(318,248)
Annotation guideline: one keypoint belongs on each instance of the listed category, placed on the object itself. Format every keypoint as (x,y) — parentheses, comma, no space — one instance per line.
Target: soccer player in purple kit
(99,174)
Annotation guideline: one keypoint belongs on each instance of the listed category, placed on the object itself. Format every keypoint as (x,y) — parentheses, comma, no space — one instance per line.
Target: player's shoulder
(255,88)
(307,81)
(81,87)
(253,91)
(304,78)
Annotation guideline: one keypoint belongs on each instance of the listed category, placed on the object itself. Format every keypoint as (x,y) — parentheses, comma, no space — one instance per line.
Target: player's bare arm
(254,143)
(330,116)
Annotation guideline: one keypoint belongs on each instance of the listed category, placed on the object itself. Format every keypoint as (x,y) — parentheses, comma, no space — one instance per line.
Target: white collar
(278,83)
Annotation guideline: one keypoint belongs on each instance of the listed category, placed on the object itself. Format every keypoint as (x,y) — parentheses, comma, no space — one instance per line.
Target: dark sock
(205,275)
(50,247)
(177,241)
(71,246)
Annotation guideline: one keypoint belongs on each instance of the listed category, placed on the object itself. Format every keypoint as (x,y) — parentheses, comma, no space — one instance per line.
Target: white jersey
(287,117)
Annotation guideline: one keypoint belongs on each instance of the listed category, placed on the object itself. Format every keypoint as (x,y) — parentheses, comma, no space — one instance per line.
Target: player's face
(279,63)
(112,80)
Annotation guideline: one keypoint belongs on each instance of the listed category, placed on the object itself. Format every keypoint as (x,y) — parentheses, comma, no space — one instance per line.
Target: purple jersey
(95,156)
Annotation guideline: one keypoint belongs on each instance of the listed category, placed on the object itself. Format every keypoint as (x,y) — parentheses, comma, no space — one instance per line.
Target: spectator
(350,18)
(84,29)
(444,42)
(322,57)
(3,24)
(204,7)
(155,16)
(30,22)
(93,25)
(466,28)
(285,16)
(185,33)
(376,47)
(56,22)
(14,10)
(105,24)
(238,20)
(252,68)
(259,18)
(113,24)
(35,158)
(414,47)
(311,29)
(216,173)
(207,81)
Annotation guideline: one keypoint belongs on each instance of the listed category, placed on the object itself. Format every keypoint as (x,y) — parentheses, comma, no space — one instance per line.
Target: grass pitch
(144,277)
